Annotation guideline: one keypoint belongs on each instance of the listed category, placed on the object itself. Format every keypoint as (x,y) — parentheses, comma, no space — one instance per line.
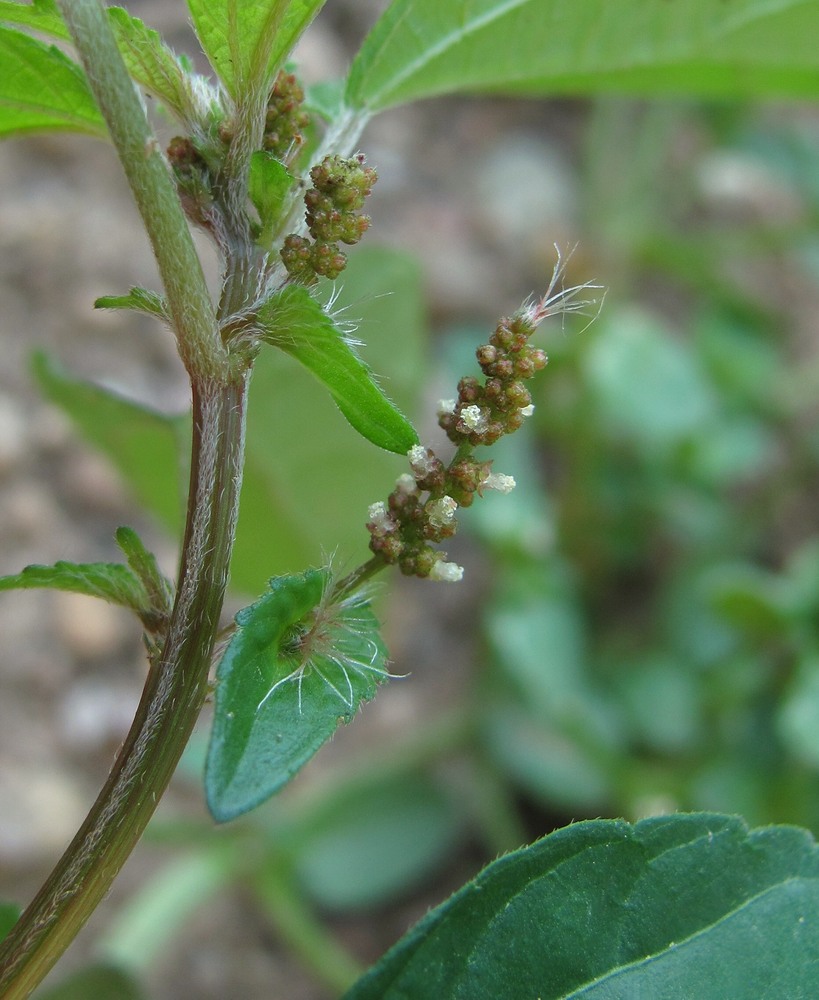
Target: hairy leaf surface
(421,48)
(669,908)
(139,299)
(43,90)
(295,322)
(296,668)
(245,42)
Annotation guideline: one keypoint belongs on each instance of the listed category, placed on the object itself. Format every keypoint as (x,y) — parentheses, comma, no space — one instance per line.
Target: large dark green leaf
(299,664)
(671,908)
(421,48)
(298,324)
(149,448)
(43,90)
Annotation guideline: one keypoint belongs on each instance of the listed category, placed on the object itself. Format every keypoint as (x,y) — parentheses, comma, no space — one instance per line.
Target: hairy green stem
(189,302)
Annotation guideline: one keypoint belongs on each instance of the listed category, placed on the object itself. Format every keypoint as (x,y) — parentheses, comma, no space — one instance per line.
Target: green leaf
(420,48)
(300,663)
(150,449)
(296,323)
(246,42)
(303,493)
(9,912)
(376,842)
(670,908)
(43,90)
(157,586)
(139,299)
(41,15)
(150,62)
(269,184)
(102,982)
(110,581)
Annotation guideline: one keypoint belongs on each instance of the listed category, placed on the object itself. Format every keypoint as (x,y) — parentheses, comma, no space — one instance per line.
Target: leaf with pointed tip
(299,664)
(669,908)
(139,299)
(246,42)
(296,323)
(42,90)
(421,48)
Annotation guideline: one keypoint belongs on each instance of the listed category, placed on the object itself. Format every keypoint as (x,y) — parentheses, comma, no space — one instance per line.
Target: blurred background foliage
(646,640)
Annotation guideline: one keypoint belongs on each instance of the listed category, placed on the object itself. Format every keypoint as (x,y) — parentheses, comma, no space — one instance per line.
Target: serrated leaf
(43,90)
(112,582)
(143,563)
(246,42)
(149,448)
(297,667)
(139,299)
(41,15)
(150,62)
(269,184)
(669,908)
(297,324)
(421,48)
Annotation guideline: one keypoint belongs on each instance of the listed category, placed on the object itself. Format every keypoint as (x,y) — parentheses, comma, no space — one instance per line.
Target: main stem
(169,707)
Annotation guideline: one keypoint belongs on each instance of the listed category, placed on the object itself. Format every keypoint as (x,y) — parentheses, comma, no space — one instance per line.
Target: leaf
(246,42)
(150,449)
(140,299)
(102,982)
(41,15)
(421,48)
(295,322)
(150,62)
(299,664)
(110,581)
(43,90)
(157,586)
(269,184)
(669,908)
(376,842)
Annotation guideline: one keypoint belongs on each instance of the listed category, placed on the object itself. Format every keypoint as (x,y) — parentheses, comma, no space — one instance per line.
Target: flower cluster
(193,180)
(482,413)
(333,206)
(420,511)
(286,119)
